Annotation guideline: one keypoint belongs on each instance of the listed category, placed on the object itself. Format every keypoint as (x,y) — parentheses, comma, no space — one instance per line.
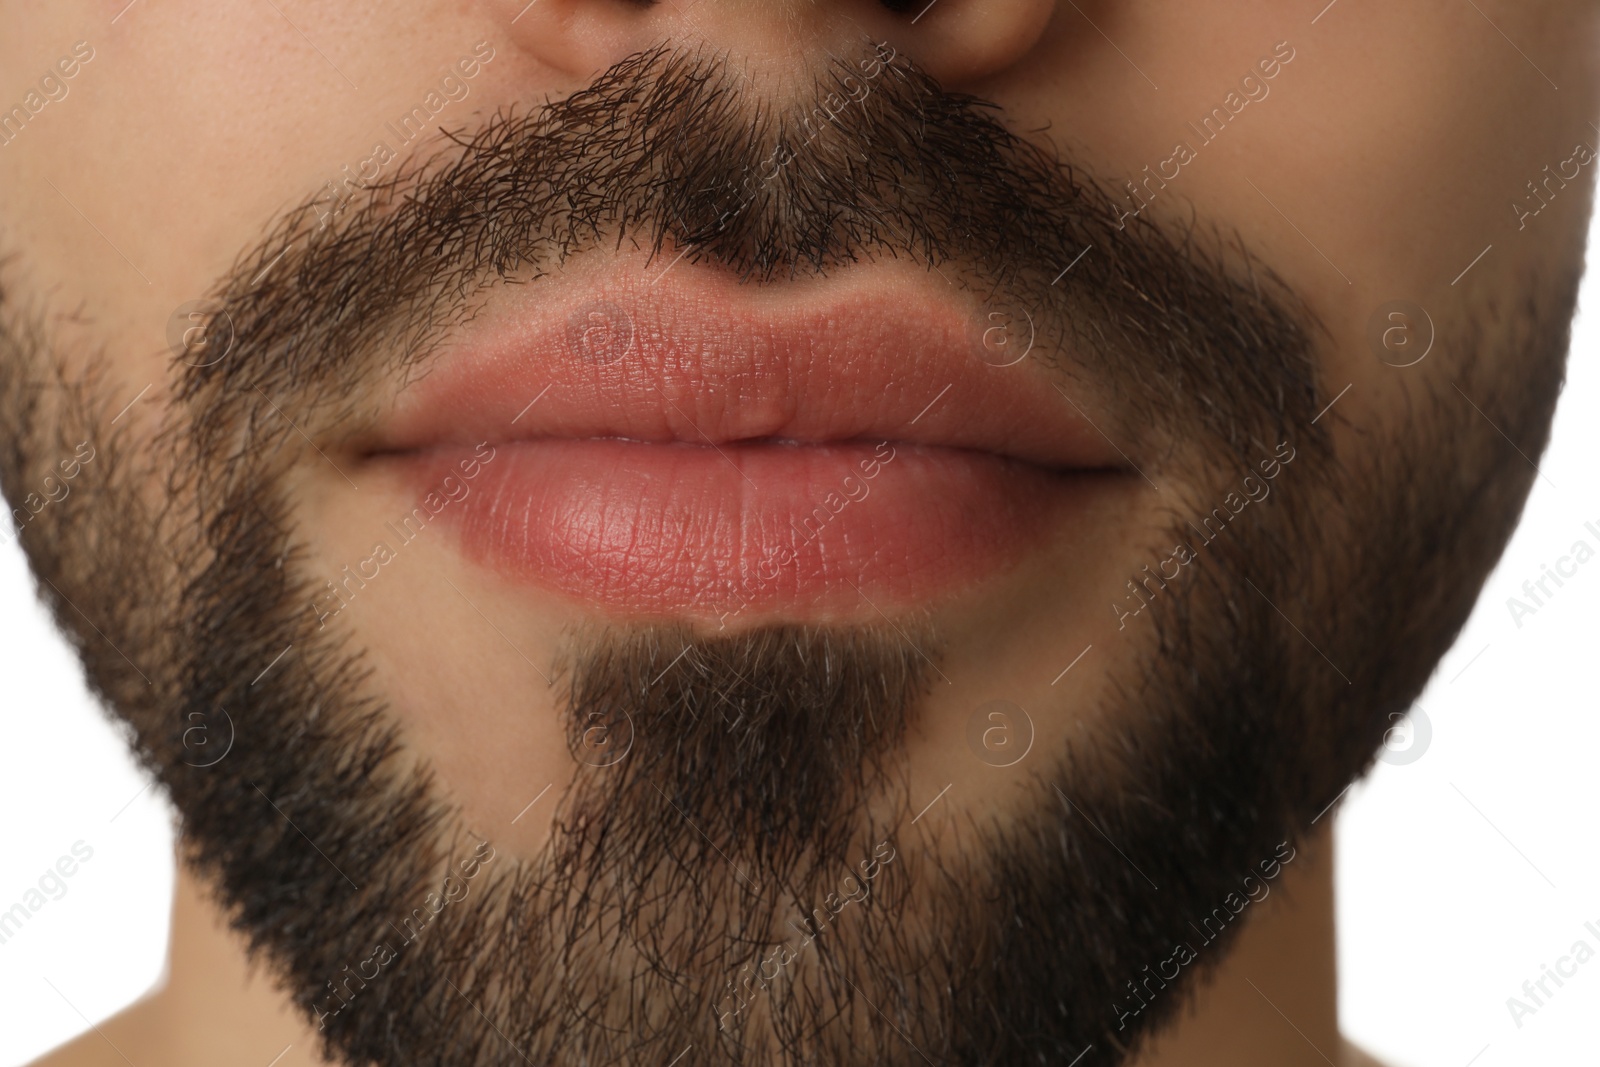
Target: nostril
(961,43)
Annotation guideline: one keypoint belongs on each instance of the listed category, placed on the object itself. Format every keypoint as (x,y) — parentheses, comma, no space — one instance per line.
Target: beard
(736,873)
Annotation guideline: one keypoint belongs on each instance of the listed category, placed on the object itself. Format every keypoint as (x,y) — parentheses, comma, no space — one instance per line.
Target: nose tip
(958,42)
(961,42)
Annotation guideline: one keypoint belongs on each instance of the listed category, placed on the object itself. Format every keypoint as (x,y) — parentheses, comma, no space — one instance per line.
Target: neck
(1270,1001)
(213,1005)
(1273,998)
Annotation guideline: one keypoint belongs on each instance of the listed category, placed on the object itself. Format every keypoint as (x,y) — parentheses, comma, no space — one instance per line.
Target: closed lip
(678,443)
(697,358)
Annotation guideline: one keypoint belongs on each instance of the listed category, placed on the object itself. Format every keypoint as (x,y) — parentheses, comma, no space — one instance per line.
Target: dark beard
(762,767)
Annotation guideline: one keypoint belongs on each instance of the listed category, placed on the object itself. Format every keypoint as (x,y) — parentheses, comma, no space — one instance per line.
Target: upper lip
(694,357)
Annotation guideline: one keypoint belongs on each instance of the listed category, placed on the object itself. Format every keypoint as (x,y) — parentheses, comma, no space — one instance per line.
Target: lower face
(805,639)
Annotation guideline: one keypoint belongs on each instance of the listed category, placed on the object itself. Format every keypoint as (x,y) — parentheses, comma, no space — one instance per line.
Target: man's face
(809,531)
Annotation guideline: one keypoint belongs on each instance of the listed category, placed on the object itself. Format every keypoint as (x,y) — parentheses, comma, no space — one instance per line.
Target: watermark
(1254,86)
(603,742)
(1005,338)
(53,87)
(753,978)
(599,332)
(453,87)
(1000,733)
(454,890)
(1400,333)
(1566,967)
(201,746)
(354,578)
(1143,591)
(825,114)
(1537,592)
(853,489)
(1542,192)
(200,332)
(55,489)
(1183,953)
(51,885)
(1408,739)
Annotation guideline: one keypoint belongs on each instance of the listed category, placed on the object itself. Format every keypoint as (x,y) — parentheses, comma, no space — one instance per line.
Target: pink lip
(690,447)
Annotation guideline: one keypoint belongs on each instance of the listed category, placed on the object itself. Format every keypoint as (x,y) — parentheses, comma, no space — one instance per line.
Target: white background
(1461,872)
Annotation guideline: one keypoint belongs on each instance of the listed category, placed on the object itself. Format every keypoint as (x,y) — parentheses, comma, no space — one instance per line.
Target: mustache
(1178,334)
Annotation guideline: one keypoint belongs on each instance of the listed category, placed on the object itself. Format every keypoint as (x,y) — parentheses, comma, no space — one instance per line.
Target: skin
(1384,160)
(214,1004)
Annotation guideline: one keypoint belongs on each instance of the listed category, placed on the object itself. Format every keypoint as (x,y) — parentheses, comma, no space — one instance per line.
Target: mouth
(676,444)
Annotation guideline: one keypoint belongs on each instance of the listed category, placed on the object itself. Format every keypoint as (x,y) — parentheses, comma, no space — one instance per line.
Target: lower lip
(749,530)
